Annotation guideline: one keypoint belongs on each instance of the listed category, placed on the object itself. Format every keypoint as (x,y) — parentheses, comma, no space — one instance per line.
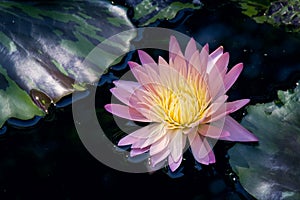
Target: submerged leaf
(270,170)
(43,46)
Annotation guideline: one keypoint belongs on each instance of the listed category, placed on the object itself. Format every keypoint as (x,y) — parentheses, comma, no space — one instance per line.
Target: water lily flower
(184,102)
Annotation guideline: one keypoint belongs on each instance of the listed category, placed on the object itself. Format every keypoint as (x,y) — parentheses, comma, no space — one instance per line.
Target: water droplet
(265,54)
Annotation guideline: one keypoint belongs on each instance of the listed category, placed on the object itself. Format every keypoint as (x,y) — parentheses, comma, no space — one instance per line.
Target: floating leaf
(14,101)
(43,46)
(148,12)
(282,13)
(270,170)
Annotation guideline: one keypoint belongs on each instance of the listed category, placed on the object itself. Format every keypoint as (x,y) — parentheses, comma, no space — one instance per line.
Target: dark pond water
(49,161)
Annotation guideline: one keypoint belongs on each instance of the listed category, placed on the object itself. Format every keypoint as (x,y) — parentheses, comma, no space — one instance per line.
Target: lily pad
(282,13)
(270,169)
(43,46)
(147,12)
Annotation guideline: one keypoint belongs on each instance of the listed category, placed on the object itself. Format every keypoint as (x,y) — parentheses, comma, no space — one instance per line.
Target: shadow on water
(48,161)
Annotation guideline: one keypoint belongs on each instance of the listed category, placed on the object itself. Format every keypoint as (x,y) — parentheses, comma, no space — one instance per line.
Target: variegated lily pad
(147,12)
(280,13)
(43,46)
(270,170)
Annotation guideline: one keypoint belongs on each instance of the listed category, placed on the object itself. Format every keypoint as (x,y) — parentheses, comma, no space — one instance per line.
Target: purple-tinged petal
(204,54)
(221,65)
(232,76)
(217,105)
(174,165)
(162,61)
(153,138)
(174,48)
(129,86)
(194,63)
(236,105)
(124,90)
(138,137)
(201,149)
(138,151)
(212,131)
(125,112)
(215,55)
(176,145)
(219,110)
(159,145)
(155,159)
(179,64)
(190,49)
(237,132)
(145,75)
(138,72)
(146,59)
(133,65)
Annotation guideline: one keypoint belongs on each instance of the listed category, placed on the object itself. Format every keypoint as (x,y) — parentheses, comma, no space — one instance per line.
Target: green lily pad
(43,46)
(270,170)
(281,13)
(17,102)
(147,12)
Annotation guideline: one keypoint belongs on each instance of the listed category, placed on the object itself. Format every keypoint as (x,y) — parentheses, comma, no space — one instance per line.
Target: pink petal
(215,55)
(145,75)
(232,75)
(159,145)
(174,165)
(162,61)
(216,105)
(133,65)
(222,63)
(236,105)
(213,58)
(153,138)
(174,48)
(190,49)
(124,90)
(180,65)
(219,110)
(194,63)
(201,149)
(212,131)
(125,112)
(237,132)
(138,72)
(176,145)
(155,159)
(204,58)
(215,83)
(138,137)
(146,59)
(129,86)
(137,151)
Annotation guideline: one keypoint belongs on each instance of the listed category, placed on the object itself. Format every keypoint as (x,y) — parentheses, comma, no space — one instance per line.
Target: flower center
(180,105)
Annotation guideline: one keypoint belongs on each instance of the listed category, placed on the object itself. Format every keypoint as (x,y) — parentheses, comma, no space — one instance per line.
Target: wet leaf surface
(282,13)
(147,12)
(43,46)
(270,169)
